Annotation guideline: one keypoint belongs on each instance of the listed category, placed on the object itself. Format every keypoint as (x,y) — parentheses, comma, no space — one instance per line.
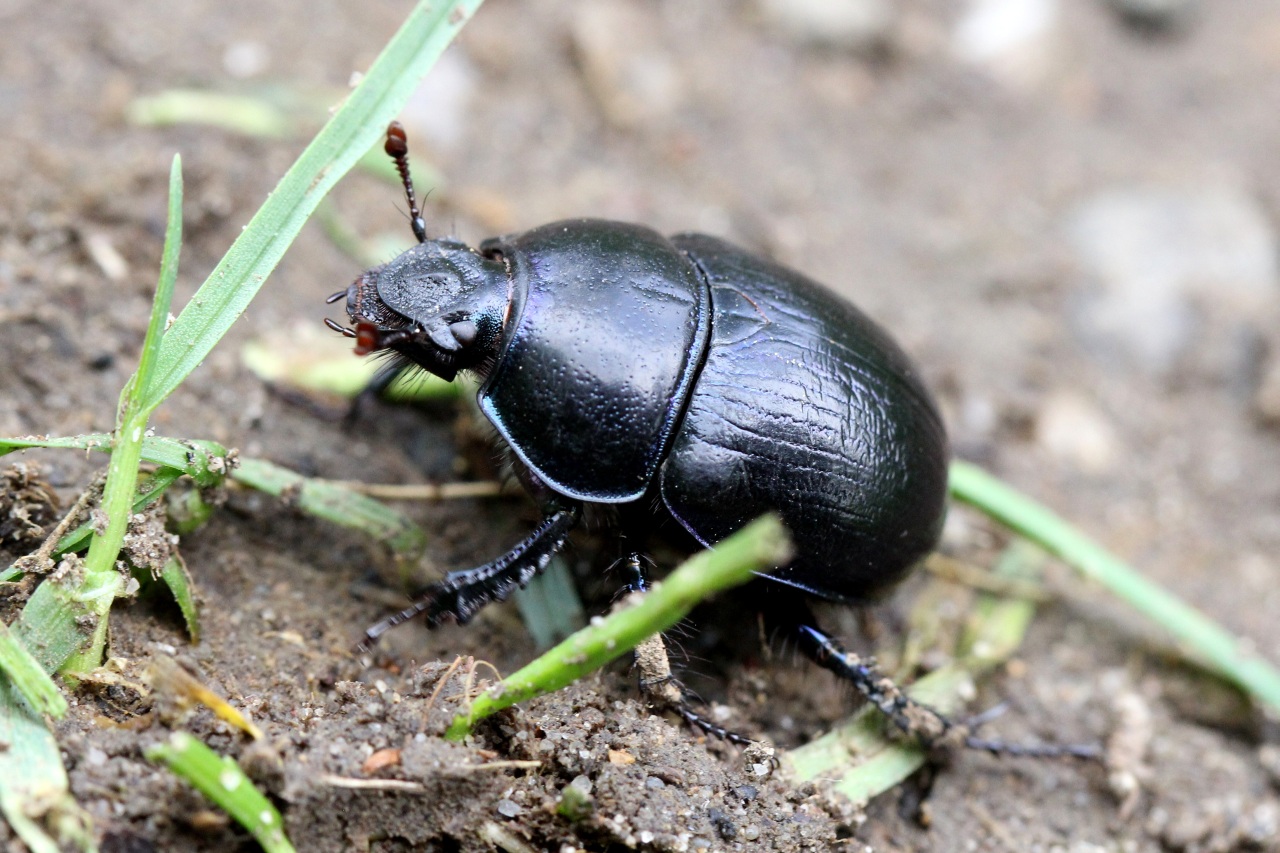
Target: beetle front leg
(461,594)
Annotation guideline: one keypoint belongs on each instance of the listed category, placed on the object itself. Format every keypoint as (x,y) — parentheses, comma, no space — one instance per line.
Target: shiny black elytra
(683,376)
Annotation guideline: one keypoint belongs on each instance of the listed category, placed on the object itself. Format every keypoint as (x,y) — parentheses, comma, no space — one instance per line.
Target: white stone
(856,25)
(1072,428)
(1160,259)
(1015,41)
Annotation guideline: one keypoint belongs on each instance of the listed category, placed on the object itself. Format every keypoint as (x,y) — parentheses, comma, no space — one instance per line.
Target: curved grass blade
(337,504)
(357,125)
(32,780)
(25,673)
(1200,638)
(220,779)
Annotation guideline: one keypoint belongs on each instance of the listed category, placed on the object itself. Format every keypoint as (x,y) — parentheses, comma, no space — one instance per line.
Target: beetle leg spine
(462,594)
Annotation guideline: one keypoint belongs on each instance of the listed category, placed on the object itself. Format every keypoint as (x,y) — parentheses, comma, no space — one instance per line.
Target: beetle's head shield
(441,304)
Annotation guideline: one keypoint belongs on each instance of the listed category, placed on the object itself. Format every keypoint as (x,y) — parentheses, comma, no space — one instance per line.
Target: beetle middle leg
(653,665)
(461,594)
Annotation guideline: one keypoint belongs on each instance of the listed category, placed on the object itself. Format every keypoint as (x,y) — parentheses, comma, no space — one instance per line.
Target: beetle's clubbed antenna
(343,330)
(397,148)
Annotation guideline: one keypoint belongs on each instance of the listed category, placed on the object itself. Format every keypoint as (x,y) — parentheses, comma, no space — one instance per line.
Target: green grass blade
(1199,637)
(118,493)
(335,503)
(758,546)
(207,463)
(126,453)
(222,781)
(31,775)
(549,606)
(203,461)
(61,619)
(357,125)
(25,673)
(152,342)
(247,114)
(178,580)
(64,623)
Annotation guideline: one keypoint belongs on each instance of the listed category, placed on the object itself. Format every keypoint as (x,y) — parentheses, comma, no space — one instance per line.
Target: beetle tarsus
(700,722)
(462,594)
(1084,752)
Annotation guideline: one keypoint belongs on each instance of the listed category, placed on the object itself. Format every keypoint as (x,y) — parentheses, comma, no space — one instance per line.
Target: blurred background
(1067,212)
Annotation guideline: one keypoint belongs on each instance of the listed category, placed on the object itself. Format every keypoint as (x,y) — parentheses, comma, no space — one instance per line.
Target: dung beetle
(675,377)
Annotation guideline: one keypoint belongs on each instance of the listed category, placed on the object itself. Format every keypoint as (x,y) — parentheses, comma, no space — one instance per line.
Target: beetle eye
(465,331)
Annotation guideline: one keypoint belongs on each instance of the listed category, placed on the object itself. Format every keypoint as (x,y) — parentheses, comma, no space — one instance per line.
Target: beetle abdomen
(608,325)
(805,407)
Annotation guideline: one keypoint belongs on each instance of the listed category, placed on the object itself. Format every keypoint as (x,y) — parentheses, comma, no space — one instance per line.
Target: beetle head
(440,304)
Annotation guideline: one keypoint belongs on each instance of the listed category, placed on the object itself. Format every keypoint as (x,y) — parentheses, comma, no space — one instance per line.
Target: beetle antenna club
(397,148)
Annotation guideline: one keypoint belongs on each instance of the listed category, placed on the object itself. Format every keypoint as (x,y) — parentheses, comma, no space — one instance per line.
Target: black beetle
(677,375)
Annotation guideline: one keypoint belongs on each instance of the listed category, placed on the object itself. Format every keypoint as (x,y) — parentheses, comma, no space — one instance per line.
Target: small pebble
(1014,41)
(509,808)
(854,25)
(1157,15)
(246,58)
(1072,428)
(380,760)
(621,756)
(653,783)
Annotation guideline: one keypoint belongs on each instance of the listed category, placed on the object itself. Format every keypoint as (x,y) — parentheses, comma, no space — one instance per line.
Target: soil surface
(960,184)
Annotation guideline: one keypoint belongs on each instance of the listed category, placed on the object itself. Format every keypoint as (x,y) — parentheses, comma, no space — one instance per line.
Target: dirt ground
(943,188)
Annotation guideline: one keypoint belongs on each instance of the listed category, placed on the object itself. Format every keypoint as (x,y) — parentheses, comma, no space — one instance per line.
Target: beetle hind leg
(462,594)
(919,721)
(928,727)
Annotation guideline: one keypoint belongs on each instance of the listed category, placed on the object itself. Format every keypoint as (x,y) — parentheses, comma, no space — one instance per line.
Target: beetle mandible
(678,375)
